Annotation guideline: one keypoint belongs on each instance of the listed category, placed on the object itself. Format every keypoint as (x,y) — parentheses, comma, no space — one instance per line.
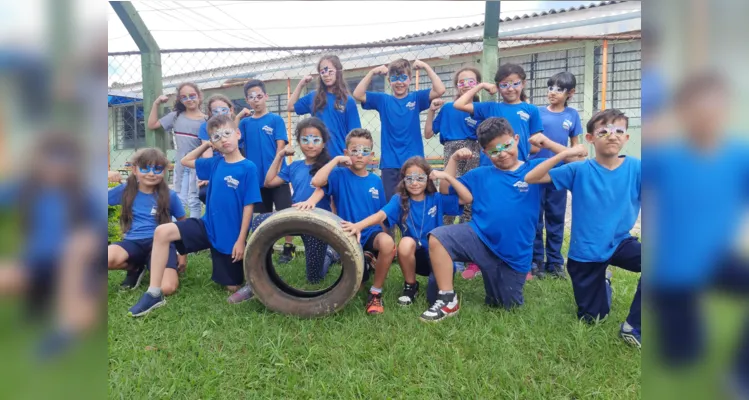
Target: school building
(281,71)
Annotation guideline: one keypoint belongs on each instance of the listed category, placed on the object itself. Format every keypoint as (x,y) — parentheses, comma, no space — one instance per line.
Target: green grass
(200,347)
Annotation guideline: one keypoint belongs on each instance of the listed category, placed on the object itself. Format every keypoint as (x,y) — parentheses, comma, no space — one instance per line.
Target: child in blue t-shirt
(400,132)
(218,104)
(417,209)
(264,136)
(499,237)
(561,124)
(331,103)
(358,194)
(224,226)
(606,193)
(146,202)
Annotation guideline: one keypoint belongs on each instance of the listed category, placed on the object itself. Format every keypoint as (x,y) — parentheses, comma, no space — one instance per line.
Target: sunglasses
(327,71)
(414,177)
(311,139)
(156,169)
(610,130)
(507,85)
(556,89)
(221,134)
(255,97)
(501,148)
(220,111)
(360,150)
(466,83)
(398,78)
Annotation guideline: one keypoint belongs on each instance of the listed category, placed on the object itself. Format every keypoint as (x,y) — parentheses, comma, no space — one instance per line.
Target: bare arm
(436,104)
(540,141)
(310,203)
(465,102)
(153,116)
(298,92)
(540,174)
(208,153)
(451,168)
(438,88)
(355,229)
(238,250)
(464,195)
(573,141)
(189,159)
(360,93)
(321,177)
(271,178)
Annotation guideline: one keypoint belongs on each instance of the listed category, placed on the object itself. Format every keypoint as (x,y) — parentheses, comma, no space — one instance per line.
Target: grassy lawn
(200,347)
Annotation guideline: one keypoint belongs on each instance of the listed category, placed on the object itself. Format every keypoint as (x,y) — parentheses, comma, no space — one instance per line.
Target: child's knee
(386,244)
(406,246)
(434,243)
(165,232)
(168,288)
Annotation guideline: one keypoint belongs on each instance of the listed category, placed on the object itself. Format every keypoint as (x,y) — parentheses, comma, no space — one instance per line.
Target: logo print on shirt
(567,124)
(411,105)
(154,210)
(339,107)
(267,129)
(522,186)
(432,211)
(231,182)
(524,115)
(470,122)
(375,193)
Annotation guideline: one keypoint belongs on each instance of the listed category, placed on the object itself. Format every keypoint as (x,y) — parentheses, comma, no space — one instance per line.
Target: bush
(113,228)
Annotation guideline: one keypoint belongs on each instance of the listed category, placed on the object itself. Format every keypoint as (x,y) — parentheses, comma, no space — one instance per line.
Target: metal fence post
(490,56)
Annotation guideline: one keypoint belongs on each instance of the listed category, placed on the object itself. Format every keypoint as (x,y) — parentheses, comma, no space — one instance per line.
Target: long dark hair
(178,106)
(339,88)
(144,158)
(316,123)
(403,191)
(460,71)
(506,70)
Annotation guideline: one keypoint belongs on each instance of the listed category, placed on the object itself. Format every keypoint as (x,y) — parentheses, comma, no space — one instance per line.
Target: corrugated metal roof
(507,19)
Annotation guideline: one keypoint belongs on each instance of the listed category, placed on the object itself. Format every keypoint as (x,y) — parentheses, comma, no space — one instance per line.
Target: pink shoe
(529,277)
(472,270)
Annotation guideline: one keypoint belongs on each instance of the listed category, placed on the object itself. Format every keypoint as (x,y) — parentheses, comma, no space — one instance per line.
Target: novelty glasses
(414,177)
(398,78)
(221,134)
(556,89)
(156,169)
(360,150)
(507,85)
(500,148)
(466,83)
(604,132)
(327,71)
(191,96)
(311,139)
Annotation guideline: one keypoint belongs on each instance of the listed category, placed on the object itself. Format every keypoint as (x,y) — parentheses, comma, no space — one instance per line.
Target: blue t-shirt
(145,211)
(484,160)
(452,124)
(297,173)
(339,120)
(233,186)
(357,197)
(523,118)
(260,135)
(505,211)
(559,127)
(423,216)
(400,132)
(605,205)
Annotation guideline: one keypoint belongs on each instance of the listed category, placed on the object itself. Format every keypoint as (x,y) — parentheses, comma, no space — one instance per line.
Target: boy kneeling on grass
(499,238)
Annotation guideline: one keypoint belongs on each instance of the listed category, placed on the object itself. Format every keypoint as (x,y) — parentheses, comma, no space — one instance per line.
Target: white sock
(154,291)
(447,292)
(375,290)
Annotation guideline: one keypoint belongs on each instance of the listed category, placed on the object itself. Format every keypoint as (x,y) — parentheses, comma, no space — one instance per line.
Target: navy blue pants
(593,293)
(553,206)
(390,178)
(679,326)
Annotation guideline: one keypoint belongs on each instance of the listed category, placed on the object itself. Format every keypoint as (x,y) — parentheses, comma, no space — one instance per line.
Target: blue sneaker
(458,266)
(146,304)
(631,336)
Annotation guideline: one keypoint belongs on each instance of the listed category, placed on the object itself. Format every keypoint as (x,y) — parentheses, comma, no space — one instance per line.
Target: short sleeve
(563,176)
(331,189)
(304,104)
(285,172)
(483,110)
(280,130)
(535,124)
(450,205)
(468,180)
(422,99)
(115,195)
(352,115)
(204,167)
(393,210)
(175,205)
(375,101)
(438,121)
(252,186)
(577,129)
(203,132)
(167,121)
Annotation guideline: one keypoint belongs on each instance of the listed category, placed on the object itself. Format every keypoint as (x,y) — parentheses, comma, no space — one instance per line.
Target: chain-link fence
(226,70)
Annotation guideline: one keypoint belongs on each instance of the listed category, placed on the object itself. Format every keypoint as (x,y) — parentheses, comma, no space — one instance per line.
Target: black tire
(282,298)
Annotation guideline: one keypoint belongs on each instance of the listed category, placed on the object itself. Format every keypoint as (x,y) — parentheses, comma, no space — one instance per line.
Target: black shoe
(133,278)
(557,271)
(536,272)
(288,253)
(410,291)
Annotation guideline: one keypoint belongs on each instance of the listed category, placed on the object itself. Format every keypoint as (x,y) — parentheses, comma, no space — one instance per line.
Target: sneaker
(557,271)
(445,306)
(243,294)
(146,304)
(472,270)
(459,266)
(536,272)
(133,278)
(631,336)
(288,253)
(374,304)
(409,293)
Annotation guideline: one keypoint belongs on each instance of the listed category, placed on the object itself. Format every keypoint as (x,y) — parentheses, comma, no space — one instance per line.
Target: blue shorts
(139,253)
(503,285)
(195,238)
